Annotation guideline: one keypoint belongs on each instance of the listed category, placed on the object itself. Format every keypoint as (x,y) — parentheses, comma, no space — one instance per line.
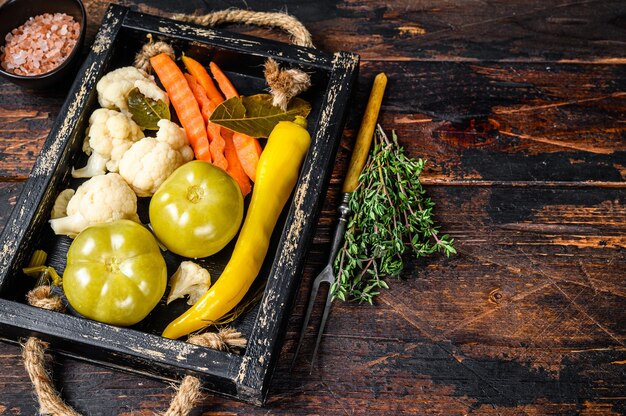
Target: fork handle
(366,132)
(344,214)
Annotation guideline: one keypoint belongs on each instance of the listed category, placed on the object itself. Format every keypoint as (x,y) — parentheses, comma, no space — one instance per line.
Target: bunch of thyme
(391,215)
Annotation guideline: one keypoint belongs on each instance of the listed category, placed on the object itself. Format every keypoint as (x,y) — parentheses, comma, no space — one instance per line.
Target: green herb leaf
(145,111)
(255,116)
(391,216)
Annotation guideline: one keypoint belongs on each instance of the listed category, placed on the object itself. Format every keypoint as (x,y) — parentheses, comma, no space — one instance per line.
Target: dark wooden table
(519,107)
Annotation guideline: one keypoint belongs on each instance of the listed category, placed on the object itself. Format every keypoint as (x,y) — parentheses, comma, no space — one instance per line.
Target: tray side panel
(125,349)
(230,41)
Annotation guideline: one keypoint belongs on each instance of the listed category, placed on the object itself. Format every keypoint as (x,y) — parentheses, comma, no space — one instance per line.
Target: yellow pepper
(277,174)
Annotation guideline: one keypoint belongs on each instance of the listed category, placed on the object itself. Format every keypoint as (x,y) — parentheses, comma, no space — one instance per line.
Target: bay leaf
(255,115)
(145,111)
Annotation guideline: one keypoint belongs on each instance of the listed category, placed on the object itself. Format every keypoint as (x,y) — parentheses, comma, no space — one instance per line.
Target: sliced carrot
(203,100)
(184,103)
(234,167)
(248,151)
(196,69)
(222,80)
(217,146)
(216,141)
(214,132)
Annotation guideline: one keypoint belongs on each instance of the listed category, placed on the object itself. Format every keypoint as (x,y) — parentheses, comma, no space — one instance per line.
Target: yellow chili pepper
(277,173)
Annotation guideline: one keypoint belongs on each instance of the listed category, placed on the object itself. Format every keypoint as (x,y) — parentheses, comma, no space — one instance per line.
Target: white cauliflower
(114,87)
(172,134)
(103,198)
(190,279)
(60,204)
(147,164)
(109,136)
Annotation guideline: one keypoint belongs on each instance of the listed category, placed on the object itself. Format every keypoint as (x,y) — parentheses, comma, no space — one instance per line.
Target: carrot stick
(234,167)
(202,76)
(184,103)
(217,146)
(248,151)
(222,80)
(201,97)
(216,141)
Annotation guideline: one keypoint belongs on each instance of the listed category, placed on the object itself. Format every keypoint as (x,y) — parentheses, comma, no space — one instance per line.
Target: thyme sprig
(391,215)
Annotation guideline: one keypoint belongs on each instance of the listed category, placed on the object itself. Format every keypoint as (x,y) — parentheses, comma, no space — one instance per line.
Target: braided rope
(284,83)
(187,394)
(226,339)
(299,34)
(51,403)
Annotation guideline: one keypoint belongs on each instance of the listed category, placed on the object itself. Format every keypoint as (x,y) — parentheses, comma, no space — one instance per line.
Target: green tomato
(115,273)
(197,210)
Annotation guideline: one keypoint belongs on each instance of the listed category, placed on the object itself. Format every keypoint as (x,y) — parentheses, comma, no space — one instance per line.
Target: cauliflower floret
(114,87)
(190,279)
(96,165)
(103,198)
(110,135)
(59,209)
(172,134)
(147,164)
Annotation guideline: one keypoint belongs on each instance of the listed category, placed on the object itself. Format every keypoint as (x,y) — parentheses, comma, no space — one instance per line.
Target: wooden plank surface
(519,108)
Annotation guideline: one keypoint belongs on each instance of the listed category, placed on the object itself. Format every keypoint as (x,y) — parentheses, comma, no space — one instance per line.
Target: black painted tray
(140,349)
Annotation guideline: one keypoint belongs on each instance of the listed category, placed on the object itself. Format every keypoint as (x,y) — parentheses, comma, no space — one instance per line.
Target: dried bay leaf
(255,115)
(145,111)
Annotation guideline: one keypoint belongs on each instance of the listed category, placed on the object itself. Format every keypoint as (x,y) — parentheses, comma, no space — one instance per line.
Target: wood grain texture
(519,108)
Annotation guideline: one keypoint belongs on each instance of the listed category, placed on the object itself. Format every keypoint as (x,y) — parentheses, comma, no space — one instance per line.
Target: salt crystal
(19,58)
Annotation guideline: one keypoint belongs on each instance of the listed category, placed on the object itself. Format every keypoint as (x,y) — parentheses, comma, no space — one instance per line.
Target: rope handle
(284,83)
(50,401)
(299,33)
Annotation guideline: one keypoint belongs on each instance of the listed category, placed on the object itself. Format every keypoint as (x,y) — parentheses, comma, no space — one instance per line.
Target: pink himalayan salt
(39,45)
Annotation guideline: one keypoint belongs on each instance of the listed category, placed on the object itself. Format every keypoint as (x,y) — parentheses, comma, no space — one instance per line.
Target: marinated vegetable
(197,210)
(148,162)
(190,279)
(109,136)
(103,198)
(114,88)
(115,273)
(277,174)
(184,103)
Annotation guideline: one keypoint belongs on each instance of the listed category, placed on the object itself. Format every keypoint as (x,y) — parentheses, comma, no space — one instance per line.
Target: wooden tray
(140,349)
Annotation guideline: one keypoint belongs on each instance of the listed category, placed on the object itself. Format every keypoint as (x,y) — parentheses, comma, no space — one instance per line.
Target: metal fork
(357,161)
(326,275)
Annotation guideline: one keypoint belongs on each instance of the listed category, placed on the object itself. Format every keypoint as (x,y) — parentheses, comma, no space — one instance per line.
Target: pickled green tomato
(115,273)
(197,210)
